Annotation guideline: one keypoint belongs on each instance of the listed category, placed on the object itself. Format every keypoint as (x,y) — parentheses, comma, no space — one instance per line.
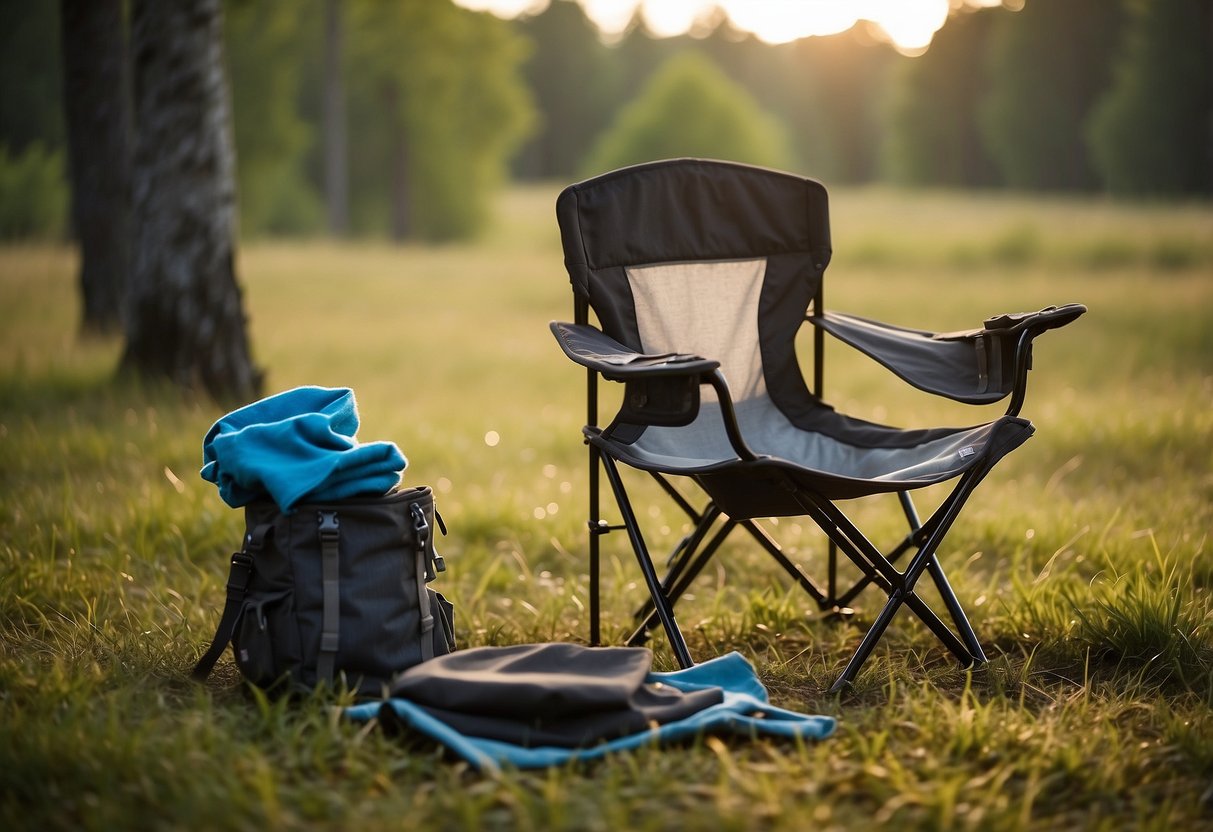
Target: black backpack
(335,589)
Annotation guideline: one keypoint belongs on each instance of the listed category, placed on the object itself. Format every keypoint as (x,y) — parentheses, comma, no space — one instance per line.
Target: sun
(908,24)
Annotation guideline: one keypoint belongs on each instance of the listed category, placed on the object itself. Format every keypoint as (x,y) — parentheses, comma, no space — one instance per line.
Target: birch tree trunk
(186,319)
(97,110)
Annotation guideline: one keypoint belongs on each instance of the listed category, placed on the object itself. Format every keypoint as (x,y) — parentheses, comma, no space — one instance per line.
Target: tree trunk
(336,167)
(186,319)
(97,110)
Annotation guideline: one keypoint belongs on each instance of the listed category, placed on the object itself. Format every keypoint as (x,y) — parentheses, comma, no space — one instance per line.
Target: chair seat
(839,458)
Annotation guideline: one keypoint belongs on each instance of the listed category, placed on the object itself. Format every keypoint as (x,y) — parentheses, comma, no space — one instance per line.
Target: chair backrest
(701,256)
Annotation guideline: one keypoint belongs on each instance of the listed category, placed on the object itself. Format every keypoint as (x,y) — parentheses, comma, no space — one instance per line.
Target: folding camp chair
(700,271)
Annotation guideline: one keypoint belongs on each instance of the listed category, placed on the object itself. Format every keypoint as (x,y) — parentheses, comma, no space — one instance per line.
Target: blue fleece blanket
(295,446)
(745,710)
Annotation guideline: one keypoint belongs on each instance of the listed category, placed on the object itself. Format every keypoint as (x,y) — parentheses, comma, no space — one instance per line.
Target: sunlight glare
(611,16)
(910,24)
(507,9)
(667,18)
(781,21)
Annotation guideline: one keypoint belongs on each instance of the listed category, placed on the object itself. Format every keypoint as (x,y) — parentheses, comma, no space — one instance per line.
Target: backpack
(338,589)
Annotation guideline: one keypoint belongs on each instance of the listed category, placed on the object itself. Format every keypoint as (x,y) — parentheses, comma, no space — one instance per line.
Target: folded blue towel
(744,709)
(294,446)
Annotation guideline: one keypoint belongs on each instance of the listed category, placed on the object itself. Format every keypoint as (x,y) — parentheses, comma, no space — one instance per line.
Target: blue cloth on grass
(744,710)
(294,446)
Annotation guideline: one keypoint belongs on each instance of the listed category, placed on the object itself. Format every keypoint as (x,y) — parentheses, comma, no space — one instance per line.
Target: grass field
(1084,559)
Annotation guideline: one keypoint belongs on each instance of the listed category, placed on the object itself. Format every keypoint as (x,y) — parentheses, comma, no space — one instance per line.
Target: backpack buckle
(239,576)
(434,562)
(329,526)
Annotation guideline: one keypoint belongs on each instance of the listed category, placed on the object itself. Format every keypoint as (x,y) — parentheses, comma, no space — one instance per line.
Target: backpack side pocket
(266,640)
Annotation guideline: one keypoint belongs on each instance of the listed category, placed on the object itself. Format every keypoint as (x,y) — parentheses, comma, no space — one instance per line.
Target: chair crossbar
(696,549)
(897,597)
(899,586)
(684,550)
(691,561)
(687,561)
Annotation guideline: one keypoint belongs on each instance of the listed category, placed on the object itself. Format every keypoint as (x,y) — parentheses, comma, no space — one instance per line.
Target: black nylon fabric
(380,620)
(761,488)
(788,288)
(974,367)
(689,209)
(592,348)
(557,694)
(610,295)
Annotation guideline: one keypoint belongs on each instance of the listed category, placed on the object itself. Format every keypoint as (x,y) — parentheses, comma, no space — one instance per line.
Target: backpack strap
(238,578)
(424,536)
(330,628)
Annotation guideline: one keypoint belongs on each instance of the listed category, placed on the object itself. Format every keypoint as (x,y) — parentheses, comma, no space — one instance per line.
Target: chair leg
(868,644)
(956,611)
(685,554)
(596,532)
(664,609)
(904,546)
(676,588)
(791,568)
(832,573)
(877,630)
(690,563)
(860,585)
(917,606)
(900,585)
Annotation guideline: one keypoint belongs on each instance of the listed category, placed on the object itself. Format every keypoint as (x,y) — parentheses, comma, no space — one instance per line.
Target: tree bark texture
(186,317)
(97,110)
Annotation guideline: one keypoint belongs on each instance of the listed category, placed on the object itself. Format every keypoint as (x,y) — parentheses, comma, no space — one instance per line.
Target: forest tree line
(441,104)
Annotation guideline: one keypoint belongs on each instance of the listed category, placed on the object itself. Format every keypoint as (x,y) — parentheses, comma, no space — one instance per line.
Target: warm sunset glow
(909,24)
(505,8)
(672,17)
(780,21)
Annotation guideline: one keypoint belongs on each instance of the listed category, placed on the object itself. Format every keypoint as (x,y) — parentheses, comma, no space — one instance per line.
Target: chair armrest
(592,348)
(662,389)
(978,366)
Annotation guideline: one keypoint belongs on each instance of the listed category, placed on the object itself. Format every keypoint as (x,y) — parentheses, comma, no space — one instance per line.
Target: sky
(909,24)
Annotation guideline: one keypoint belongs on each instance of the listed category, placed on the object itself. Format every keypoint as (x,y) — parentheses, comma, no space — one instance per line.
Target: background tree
(1047,66)
(1152,133)
(336,154)
(95,97)
(572,76)
(437,105)
(690,108)
(34,195)
(931,124)
(267,47)
(186,319)
(836,88)
(825,90)
(31,82)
